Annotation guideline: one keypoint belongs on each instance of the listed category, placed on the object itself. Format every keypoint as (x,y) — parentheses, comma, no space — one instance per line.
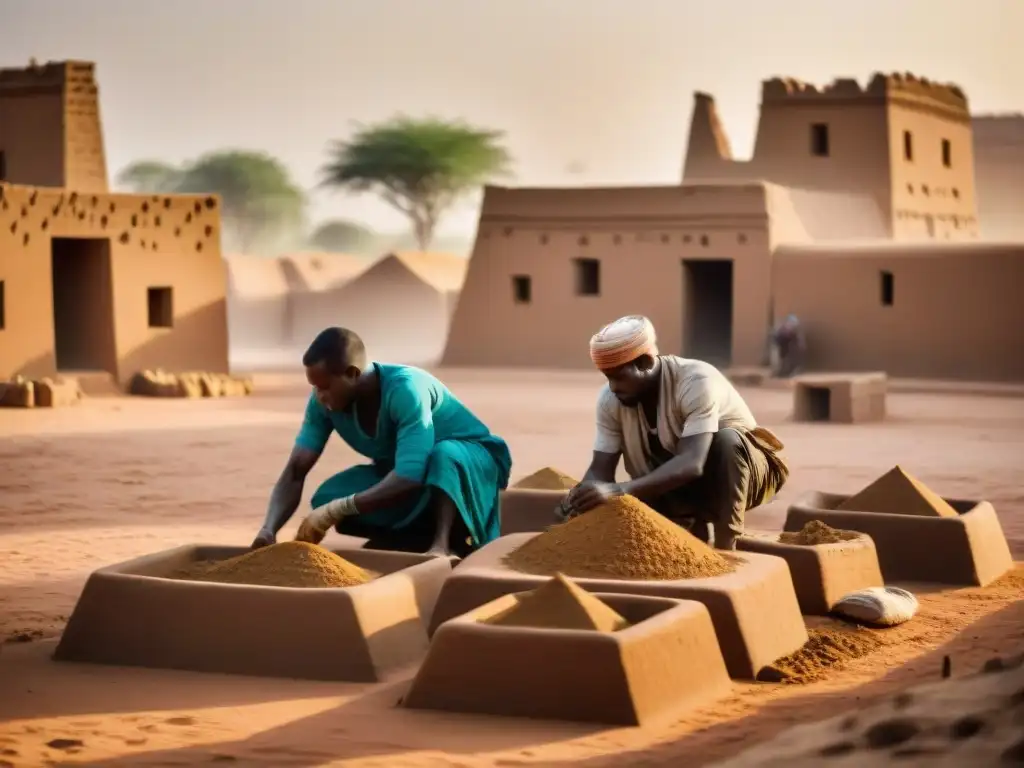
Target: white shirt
(695,398)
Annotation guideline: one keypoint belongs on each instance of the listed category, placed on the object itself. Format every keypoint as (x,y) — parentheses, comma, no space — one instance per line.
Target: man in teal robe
(436,472)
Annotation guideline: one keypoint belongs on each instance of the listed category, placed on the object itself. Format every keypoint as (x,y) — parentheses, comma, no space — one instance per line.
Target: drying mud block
(191,384)
(969,549)
(133,615)
(665,662)
(529,510)
(843,398)
(56,394)
(17,394)
(822,573)
(754,607)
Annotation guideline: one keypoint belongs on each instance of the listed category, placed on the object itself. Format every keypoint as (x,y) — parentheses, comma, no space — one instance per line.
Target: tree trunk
(423,230)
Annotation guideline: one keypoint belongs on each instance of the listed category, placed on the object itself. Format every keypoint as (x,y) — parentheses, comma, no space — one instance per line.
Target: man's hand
(586,496)
(264,538)
(312,529)
(322,519)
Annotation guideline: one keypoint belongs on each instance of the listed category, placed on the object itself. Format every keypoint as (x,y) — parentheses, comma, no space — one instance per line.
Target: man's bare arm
(602,468)
(287,493)
(685,467)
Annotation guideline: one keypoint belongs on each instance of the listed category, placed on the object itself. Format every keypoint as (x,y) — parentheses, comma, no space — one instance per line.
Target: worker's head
(626,352)
(334,363)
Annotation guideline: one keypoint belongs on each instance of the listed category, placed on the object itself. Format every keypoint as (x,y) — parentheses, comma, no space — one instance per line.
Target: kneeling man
(690,443)
(436,472)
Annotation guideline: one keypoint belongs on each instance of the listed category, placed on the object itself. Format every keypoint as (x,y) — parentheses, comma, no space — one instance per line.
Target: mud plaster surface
(114,479)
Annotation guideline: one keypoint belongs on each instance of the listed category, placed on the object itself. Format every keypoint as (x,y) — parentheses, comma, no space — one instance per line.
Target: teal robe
(424,434)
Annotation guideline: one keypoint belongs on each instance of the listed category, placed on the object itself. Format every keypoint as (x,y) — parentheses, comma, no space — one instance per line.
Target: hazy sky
(602,85)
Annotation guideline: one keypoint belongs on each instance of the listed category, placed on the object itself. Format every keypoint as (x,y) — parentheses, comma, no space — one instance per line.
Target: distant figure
(692,448)
(788,348)
(436,470)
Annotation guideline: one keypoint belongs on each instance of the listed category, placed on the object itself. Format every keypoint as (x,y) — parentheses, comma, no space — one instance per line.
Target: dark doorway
(83,305)
(707,308)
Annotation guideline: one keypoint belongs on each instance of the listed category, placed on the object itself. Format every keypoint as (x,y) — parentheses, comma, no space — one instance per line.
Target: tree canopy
(420,167)
(339,236)
(259,201)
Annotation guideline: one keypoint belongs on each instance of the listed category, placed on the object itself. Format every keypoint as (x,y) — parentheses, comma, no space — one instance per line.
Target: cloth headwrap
(623,342)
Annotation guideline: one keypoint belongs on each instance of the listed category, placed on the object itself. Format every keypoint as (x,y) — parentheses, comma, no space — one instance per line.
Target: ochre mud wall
(134,243)
(639,238)
(999,170)
(901,139)
(956,310)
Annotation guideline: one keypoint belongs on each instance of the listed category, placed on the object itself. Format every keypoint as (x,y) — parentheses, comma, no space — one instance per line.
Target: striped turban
(623,342)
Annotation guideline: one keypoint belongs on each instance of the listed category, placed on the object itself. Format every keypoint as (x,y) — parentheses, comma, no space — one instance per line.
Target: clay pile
(547,479)
(897,492)
(287,564)
(159,383)
(20,392)
(816,532)
(623,539)
(827,649)
(560,604)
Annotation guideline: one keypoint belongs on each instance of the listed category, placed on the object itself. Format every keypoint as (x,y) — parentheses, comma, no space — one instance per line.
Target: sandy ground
(115,478)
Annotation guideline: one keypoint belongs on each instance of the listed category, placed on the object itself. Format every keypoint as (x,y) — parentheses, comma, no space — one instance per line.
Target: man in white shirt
(691,446)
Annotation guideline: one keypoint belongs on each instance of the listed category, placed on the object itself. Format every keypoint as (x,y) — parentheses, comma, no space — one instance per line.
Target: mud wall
(639,237)
(154,242)
(51,131)
(865,126)
(999,171)
(956,310)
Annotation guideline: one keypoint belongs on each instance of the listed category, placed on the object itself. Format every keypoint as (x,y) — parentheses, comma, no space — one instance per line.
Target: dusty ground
(115,478)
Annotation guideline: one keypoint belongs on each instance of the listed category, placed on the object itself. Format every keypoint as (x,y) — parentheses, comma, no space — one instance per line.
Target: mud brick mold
(129,614)
(526,510)
(969,549)
(667,661)
(754,609)
(822,573)
(843,398)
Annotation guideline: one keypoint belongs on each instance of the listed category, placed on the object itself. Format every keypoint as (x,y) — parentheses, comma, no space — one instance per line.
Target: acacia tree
(420,167)
(259,200)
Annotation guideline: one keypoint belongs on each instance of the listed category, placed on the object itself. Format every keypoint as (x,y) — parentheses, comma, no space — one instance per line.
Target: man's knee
(727,446)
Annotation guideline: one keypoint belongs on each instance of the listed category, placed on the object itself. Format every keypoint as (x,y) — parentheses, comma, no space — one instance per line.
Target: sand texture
(827,649)
(547,479)
(287,564)
(623,539)
(897,492)
(74,481)
(816,532)
(560,604)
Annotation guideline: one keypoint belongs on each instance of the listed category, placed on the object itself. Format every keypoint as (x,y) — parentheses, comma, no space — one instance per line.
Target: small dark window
(888,289)
(908,146)
(819,140)
(3,166)
(161,307)
(956,193)
(3,309)
(588,277)
(522,289)
(947,153)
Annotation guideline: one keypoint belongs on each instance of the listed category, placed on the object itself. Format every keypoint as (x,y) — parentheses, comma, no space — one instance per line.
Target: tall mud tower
(51,134)
(902,140)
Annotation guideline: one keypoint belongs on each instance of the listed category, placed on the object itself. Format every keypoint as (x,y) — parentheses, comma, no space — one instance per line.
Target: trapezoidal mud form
(754,608)
(823,573)
(969,549)
(134,614)
(528,510)
(665,662)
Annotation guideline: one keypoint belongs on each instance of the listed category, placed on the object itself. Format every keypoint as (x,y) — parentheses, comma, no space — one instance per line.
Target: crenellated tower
(51,133)
(902,140)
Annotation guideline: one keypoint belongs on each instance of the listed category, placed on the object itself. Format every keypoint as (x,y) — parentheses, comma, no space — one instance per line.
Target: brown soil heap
(288,564)
(623,539)
(816,532)
(560,604)
(826,650)
(898,493)
(548,479)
